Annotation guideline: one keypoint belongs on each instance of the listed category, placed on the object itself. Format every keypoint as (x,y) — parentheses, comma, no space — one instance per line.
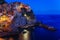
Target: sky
(42,6)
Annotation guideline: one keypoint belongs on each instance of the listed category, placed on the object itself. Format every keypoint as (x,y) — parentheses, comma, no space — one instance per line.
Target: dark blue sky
(42,6)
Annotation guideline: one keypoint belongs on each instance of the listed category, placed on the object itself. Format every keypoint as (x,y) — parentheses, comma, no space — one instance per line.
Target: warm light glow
(26,35)
(2,39)
(21,5)
(28,18)
(5,20)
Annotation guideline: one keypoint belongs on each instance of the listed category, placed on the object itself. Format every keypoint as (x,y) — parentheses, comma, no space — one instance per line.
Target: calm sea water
(43,34)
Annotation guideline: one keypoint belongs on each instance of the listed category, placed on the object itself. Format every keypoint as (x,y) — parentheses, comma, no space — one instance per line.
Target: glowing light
(4,21)
(4,18)
(2,39)
(26,35)
(28,18)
